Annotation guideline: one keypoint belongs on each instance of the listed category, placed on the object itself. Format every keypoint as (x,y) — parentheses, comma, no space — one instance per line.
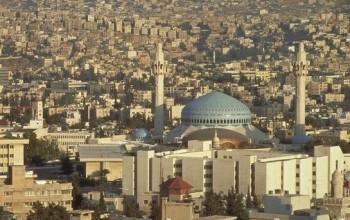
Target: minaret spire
(300,71)
(159,68)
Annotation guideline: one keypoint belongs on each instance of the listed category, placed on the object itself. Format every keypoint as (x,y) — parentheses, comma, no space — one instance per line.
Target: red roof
(3,122)
(177,183)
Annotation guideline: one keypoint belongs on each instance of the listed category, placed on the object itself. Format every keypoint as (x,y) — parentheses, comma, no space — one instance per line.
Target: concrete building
(301,71)
(69,141)
(257,171)
(37,120)
(11,153)
(334,98)
(81,215)
(159,69)
(139,110)
(97,157)
(37,110)
(173,206)
(288,207)
(20,190)
(5,76)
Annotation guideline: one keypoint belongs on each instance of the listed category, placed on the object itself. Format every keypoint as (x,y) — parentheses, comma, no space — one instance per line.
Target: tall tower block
(159,69)
(37,110)
(301,71)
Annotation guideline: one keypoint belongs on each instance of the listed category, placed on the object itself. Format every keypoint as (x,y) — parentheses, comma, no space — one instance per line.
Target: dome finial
(216,140)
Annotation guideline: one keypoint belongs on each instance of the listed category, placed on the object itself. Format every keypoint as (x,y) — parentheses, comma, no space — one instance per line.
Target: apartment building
(247,171)
(20,190)
(5,76)
(11,153)
(69,141)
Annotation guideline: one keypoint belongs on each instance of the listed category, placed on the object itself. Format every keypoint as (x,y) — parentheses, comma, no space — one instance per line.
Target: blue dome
(216,109)
(140,134)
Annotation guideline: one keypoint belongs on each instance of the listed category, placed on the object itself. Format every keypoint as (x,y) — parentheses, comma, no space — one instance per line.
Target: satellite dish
(347,176)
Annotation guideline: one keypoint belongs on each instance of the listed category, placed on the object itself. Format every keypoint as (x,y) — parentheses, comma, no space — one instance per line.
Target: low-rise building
(99,157)
(69,141)
(288,207)
(20,190)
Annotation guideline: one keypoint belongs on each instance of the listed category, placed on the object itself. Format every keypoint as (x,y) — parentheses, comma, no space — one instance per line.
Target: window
(8,204)
(178,165)
(207,184)
(29,193)
(145,202)
(178,174)
(28,204)
(65,191)
(209,167)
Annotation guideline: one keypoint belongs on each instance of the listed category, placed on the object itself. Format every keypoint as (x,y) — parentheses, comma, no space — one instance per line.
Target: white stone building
(259,172)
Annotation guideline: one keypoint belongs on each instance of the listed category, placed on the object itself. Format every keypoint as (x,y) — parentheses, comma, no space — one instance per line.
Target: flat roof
(101,152)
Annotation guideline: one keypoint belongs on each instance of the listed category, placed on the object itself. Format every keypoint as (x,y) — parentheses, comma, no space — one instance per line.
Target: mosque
(216,115)
(212,116)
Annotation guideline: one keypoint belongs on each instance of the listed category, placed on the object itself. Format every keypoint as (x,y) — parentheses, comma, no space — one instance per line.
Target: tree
(256,202)
(51,212)
(309,146)
(76,193)
(131,209)
(41,150)
(235,205)
(213,204)
(9,47)
(231,202)
(102,204)
(66,165)
(249,201)
(67,99)
(345,146)
(155,211)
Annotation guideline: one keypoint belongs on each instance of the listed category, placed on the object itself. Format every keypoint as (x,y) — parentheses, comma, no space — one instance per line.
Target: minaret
(159,69)
(337,184)
(214,56)
(301,71)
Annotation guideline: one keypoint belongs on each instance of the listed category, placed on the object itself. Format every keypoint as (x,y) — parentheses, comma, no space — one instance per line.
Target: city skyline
(177,109)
